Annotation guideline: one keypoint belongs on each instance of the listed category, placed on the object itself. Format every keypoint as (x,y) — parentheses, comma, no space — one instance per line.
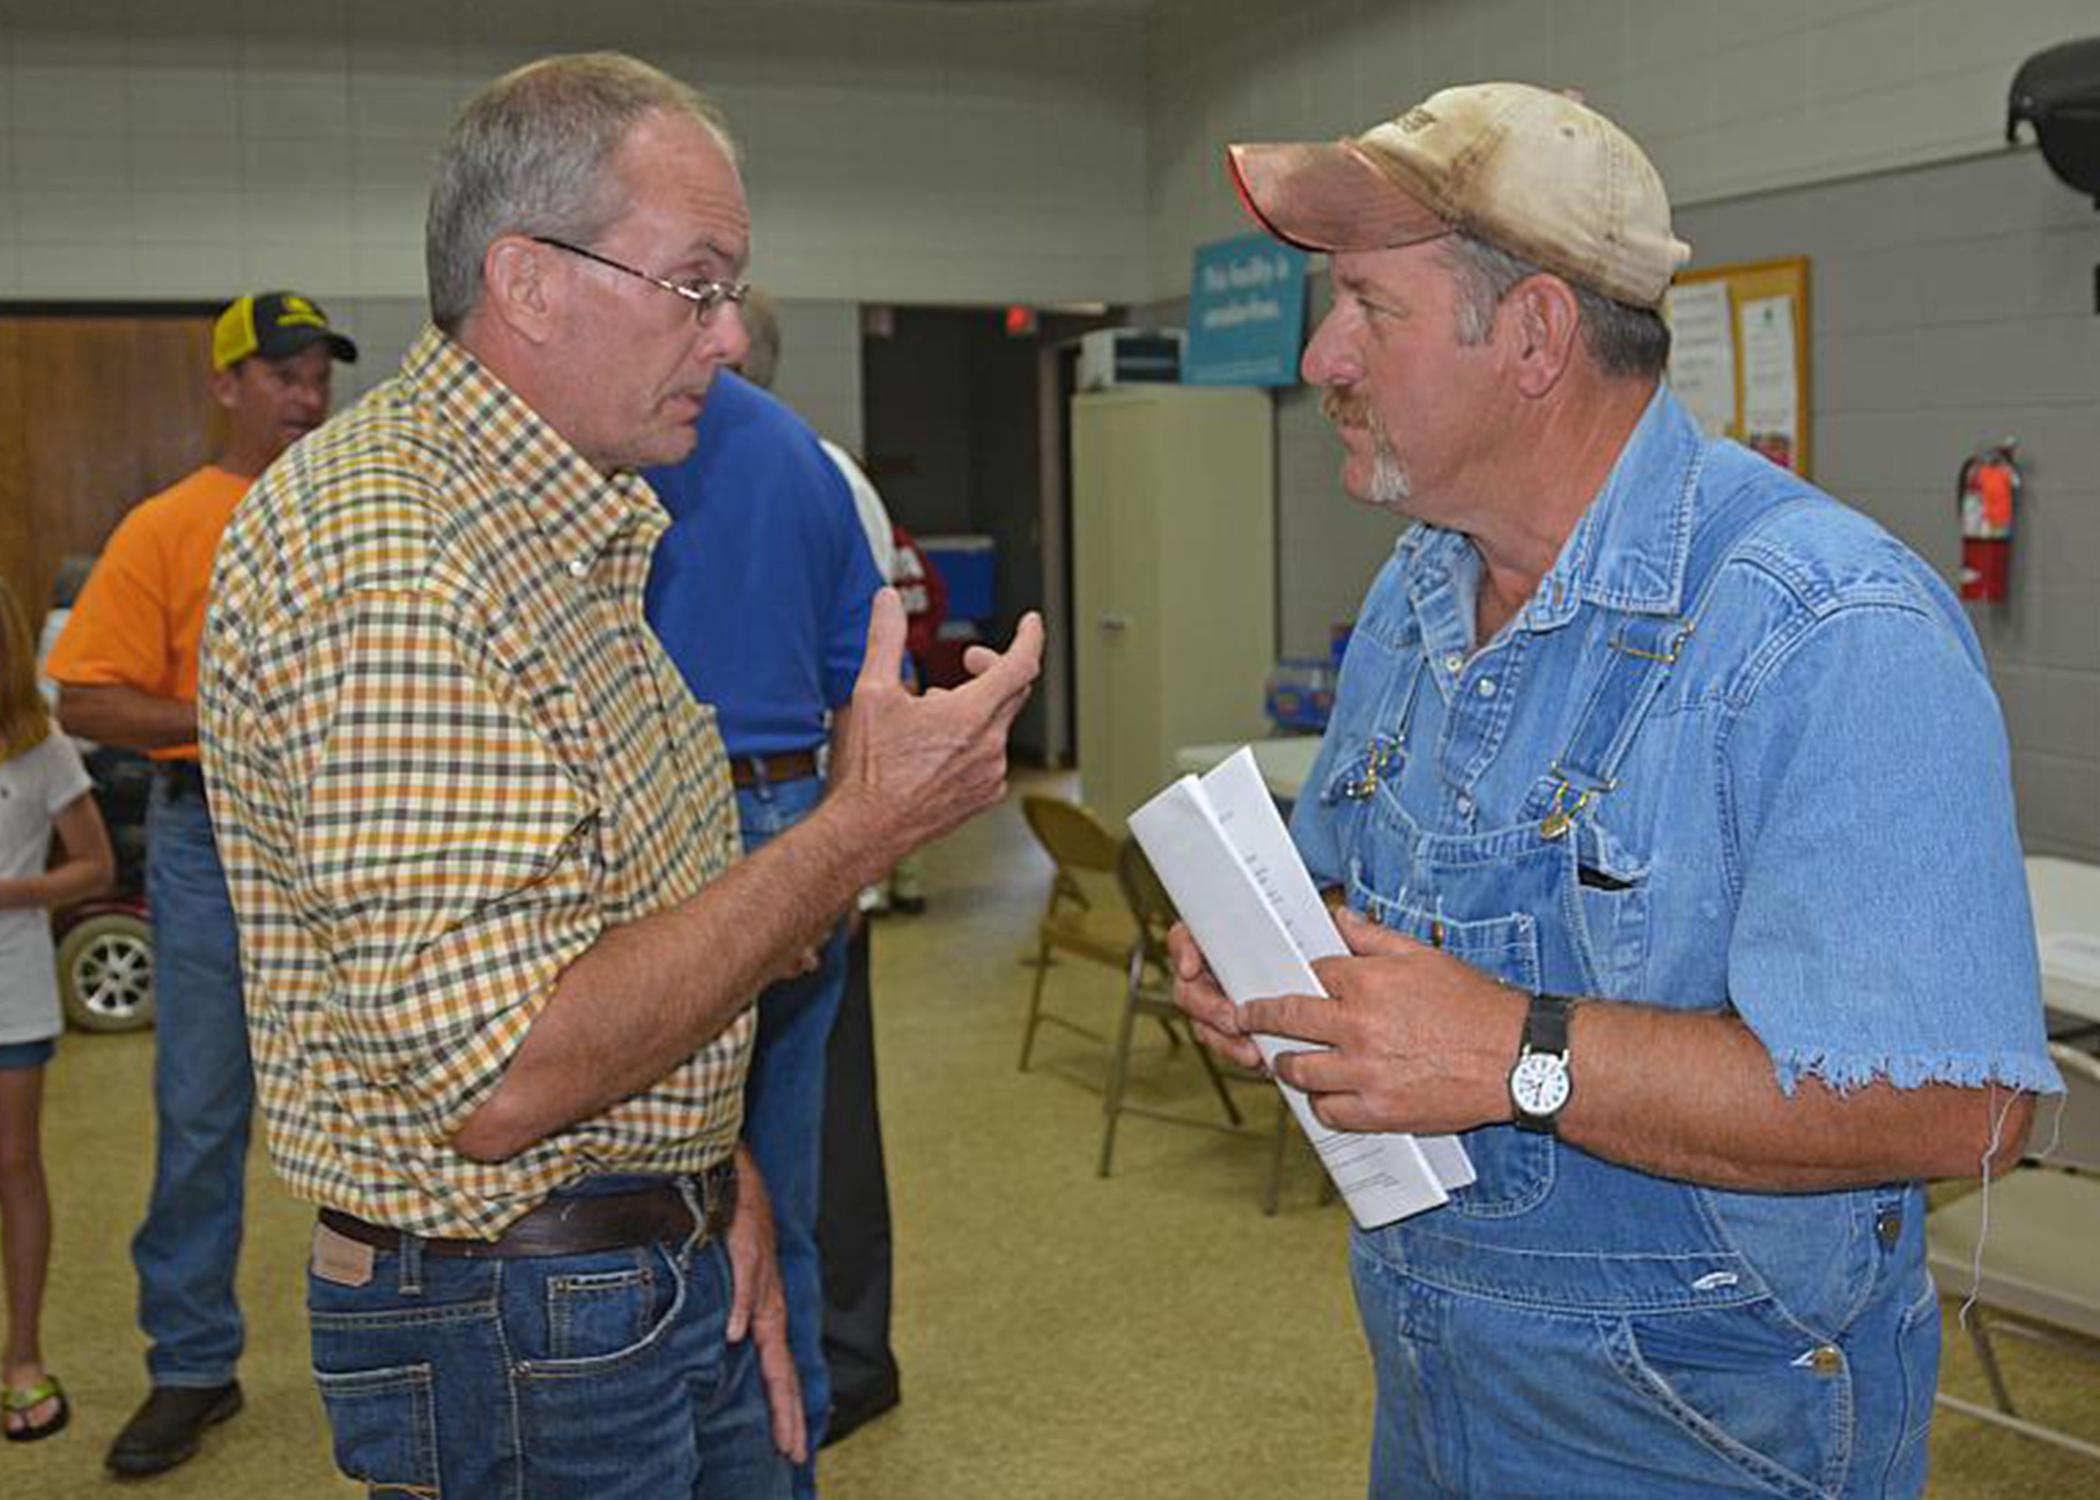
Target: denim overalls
(1561,810)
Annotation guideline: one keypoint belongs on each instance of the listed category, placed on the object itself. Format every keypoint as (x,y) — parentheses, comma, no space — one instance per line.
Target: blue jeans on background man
(784,1109)
(605,1376)
(203,1092)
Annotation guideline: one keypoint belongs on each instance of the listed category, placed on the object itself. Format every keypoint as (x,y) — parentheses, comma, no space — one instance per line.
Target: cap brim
(1328,196)
(286,342)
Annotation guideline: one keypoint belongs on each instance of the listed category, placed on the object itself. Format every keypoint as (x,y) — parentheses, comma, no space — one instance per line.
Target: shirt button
(1454,663)
(1465,805)
(579,566)
(1486,688)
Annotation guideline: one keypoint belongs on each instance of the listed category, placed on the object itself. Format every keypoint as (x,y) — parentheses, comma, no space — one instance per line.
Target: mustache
(1343,407)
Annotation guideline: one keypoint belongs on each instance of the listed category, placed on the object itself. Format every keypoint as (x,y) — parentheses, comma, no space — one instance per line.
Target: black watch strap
(1546,1024)
(1545,1036)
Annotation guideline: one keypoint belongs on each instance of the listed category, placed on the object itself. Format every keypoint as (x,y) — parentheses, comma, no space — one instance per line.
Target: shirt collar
(1628,552)
(575,508)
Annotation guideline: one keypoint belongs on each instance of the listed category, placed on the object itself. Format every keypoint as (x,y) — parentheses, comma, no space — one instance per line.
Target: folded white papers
(1227,860)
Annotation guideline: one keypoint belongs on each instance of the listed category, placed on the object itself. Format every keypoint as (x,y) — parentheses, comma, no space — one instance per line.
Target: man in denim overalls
(1669,801)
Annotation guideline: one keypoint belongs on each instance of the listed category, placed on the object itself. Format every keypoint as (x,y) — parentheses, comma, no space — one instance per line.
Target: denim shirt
(1811,825)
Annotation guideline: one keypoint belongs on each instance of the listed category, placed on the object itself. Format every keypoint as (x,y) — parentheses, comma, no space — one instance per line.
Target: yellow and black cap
(275,325)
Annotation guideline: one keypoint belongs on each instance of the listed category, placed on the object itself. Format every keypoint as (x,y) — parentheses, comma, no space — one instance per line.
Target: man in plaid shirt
(499,946)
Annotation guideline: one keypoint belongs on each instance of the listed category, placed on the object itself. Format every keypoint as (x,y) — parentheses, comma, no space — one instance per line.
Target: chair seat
(1103,933)
(2038,1257)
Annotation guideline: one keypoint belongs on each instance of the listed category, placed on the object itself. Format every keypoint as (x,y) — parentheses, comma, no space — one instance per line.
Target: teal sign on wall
(1246,313)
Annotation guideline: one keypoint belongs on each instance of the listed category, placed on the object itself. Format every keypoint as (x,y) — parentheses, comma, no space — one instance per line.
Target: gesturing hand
(916,767)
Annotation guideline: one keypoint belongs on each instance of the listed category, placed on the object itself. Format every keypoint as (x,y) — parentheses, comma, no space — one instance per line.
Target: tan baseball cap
(1530,171)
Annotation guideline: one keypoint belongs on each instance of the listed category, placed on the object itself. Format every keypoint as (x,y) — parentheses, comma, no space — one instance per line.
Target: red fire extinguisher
(1988,491)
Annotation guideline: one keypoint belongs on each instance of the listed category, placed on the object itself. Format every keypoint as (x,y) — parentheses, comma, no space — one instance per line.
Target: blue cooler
(969,565)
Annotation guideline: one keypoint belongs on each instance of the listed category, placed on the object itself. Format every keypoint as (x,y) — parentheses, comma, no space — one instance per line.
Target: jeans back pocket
(385,1427)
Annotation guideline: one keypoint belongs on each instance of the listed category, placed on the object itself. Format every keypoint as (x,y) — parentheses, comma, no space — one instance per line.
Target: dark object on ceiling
(2058,93)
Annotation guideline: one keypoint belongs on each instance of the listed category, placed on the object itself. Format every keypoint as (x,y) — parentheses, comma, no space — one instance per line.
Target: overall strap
(1643,650)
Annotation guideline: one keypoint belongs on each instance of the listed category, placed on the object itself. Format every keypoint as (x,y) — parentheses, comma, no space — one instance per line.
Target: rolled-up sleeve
(1882,928)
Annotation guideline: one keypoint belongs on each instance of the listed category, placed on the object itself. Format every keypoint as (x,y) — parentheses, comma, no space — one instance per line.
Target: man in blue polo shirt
(760,591)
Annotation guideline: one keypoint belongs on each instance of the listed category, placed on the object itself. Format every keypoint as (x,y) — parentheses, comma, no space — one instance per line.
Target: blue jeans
(605,1376)
(1640,1375)
(784,1109)
(203,1092)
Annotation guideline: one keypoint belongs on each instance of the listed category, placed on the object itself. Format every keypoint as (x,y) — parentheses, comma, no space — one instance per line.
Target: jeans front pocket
(1918,1352)
(1751,1387)
(600,1312)
(385,1427)
(617,1424)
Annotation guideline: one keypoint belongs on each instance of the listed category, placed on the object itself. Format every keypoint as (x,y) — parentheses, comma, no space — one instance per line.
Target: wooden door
(99,408)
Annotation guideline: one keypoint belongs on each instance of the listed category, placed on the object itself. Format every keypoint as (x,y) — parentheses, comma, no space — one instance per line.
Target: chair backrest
(2071,1139)
(1149,902)
(1072,837)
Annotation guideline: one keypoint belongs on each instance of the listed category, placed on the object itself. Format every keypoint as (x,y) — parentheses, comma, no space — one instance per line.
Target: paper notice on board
(1771,382)
(1702,353)
(1227,860)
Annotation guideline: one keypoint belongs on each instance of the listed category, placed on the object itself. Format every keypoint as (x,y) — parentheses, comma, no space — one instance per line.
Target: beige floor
(1150,1336)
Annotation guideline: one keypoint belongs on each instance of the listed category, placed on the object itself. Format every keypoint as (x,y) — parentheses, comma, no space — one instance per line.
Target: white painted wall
(181,148)
(1728,96)
(1066,150)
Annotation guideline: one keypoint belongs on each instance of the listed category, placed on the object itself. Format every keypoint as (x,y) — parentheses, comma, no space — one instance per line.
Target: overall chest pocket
(1514,1167)
(1609,913)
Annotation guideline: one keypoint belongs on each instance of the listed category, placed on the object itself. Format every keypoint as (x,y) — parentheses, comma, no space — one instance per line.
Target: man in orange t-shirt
(126,665)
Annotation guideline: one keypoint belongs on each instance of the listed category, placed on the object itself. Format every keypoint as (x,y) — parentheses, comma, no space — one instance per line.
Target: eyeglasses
(707,297)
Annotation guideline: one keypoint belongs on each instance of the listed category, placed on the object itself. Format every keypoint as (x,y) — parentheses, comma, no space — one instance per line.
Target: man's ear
(226,388)
(1545,323)
(520,287)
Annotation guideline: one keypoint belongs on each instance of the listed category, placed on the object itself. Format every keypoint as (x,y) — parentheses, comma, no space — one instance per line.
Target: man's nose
(728,340)
(1326,361)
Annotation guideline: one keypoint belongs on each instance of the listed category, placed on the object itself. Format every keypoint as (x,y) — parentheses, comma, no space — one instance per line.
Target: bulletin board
(1739,354)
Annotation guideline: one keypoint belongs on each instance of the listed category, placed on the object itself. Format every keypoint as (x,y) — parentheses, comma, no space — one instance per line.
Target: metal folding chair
(1085,916)
(2036,1273)
(1149,990)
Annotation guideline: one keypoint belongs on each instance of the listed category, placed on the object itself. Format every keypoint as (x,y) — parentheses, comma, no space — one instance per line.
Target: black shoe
(169,1428)
(857,1409)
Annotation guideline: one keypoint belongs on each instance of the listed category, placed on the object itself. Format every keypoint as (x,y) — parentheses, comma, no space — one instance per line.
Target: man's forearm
(649,994)
(114,714)
(1694,1097)
(646,996)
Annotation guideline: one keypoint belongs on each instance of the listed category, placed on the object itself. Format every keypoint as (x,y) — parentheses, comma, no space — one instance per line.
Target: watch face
(1539,1083)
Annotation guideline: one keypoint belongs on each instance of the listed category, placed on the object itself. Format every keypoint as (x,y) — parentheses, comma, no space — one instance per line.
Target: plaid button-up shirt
(445,753)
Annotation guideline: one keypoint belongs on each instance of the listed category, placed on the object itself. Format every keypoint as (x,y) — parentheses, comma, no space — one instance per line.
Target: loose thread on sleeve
(1999,1114)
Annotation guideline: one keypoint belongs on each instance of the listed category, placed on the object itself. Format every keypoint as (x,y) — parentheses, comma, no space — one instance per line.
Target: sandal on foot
(19,1403)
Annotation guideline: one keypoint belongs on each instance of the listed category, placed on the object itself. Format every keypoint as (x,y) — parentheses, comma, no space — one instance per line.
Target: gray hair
(1621,339)
(762,327)
(530,155)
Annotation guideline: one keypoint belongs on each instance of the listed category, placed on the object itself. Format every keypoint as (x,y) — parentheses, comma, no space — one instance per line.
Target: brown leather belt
(750,770)
(578,1224)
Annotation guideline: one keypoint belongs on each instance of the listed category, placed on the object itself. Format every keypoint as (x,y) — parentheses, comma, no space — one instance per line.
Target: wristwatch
(1539,1084)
